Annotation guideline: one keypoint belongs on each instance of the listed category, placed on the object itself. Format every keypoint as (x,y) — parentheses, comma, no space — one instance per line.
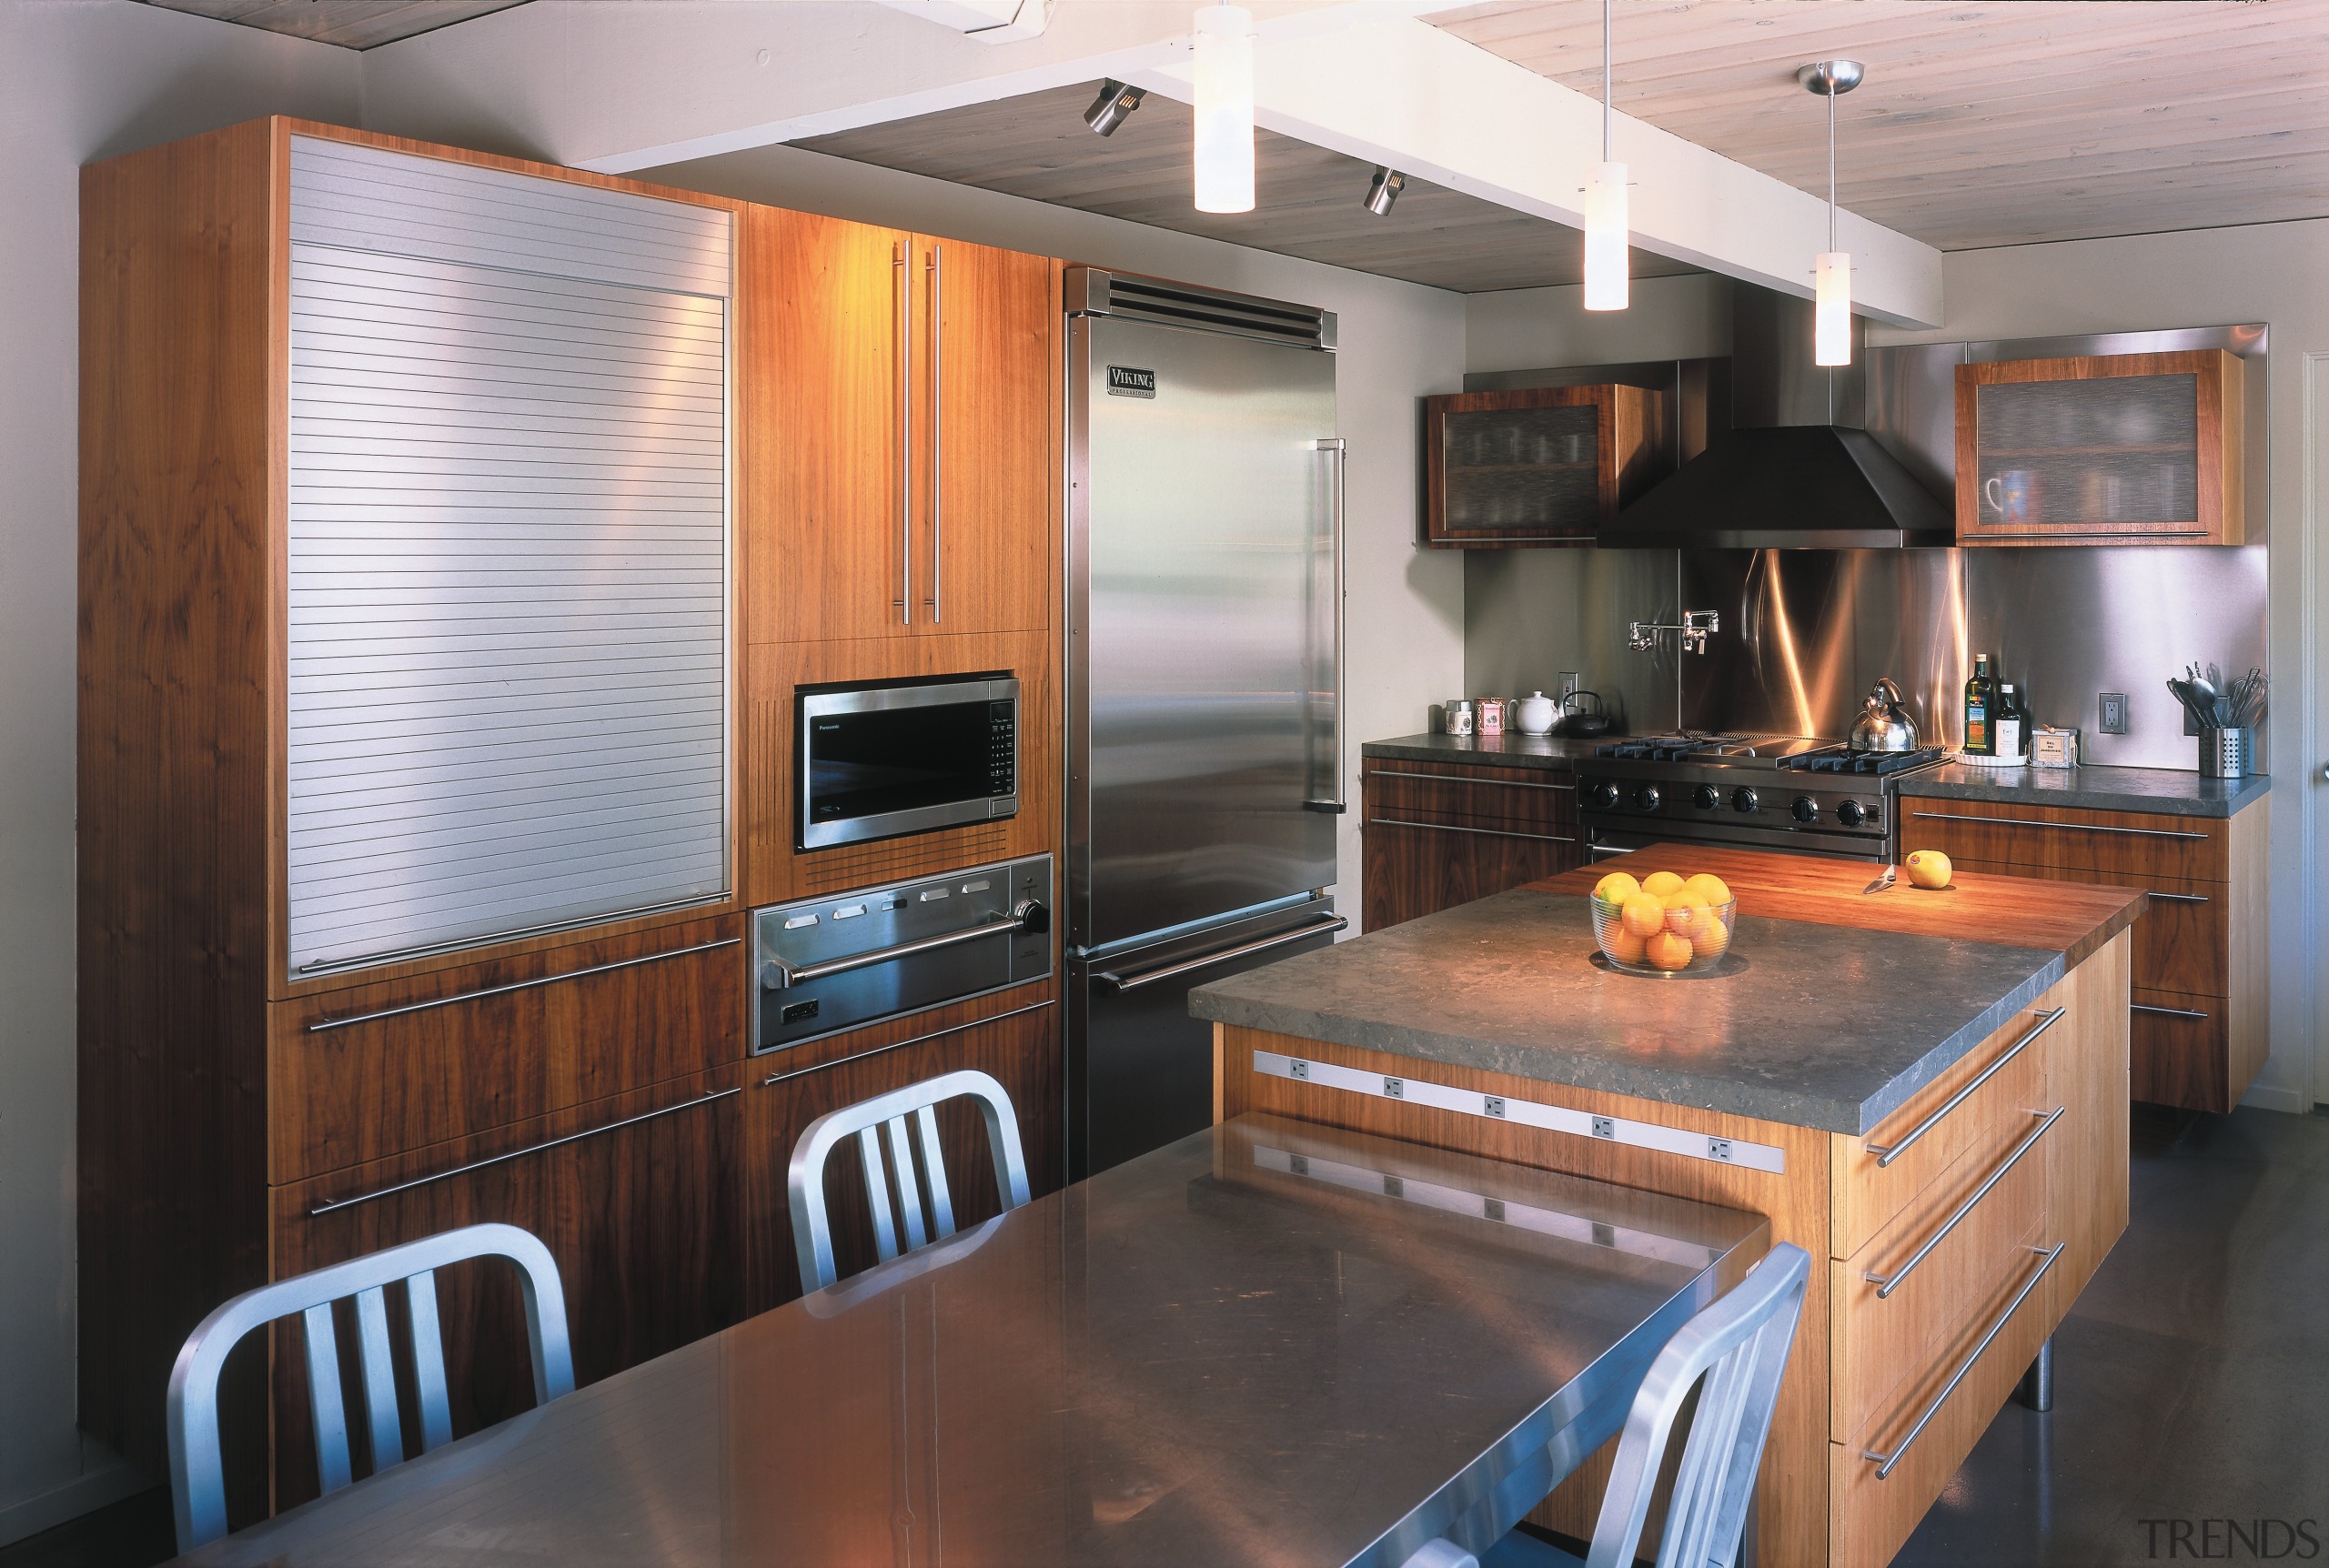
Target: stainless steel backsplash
(1805,633)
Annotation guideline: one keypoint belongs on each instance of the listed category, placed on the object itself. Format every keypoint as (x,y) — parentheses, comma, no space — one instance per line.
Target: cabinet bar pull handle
(1458,778)
(1451,828)
(883,1050)
(1884,1463)
(1886,1286)
(323,1023)
(937,428)
(1886,1155)
(778,975)
(2178,898)
(2081,532)
(904,264)
(1326,927)
(2165,1012)
(520,1153)
(2066,827)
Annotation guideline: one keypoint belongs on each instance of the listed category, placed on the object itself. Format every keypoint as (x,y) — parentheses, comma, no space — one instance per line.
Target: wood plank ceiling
(1307,200)
(351,23)
(2001,121)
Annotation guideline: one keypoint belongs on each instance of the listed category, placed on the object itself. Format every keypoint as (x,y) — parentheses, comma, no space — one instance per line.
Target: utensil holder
(2226,753)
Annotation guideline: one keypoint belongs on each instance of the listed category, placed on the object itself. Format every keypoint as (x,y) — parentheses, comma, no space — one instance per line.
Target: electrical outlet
(2114,713)
(1570,681)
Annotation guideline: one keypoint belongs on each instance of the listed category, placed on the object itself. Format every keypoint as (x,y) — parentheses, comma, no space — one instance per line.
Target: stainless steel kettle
(1884,724)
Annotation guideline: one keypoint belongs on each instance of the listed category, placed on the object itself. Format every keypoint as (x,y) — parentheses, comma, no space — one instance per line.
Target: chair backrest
(1738,1346)
(197,1481)
(812,1236)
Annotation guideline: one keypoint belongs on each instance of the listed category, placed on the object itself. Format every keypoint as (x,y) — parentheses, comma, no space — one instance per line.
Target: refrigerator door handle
(1338,452)
(1331,924)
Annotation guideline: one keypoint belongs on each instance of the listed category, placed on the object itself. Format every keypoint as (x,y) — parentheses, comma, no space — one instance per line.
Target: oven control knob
(1806,809)
(1034,918)
(1706,797)
(1645,796)
(1605,797)
(1743,799)
(1851,813)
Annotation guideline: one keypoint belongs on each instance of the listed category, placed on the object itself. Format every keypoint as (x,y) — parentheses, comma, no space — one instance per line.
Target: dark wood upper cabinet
(1541,466)
(2103,449)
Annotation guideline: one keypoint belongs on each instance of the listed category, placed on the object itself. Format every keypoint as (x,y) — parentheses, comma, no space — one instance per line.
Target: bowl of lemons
(1663,924)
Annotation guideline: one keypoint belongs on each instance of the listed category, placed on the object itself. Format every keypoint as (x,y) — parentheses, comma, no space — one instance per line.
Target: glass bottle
(2011,724)
(1980,705)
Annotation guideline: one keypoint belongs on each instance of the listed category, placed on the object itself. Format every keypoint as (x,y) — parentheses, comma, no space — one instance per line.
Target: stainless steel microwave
(905,756)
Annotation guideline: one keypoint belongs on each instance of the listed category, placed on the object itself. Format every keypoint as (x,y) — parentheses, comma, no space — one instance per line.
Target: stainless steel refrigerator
(1205,680)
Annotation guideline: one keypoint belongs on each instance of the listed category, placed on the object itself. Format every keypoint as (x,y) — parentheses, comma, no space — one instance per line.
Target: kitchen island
(1927,1088)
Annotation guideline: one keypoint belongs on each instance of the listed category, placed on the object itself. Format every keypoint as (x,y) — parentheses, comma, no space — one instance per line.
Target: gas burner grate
(1842,760)
(1674,748)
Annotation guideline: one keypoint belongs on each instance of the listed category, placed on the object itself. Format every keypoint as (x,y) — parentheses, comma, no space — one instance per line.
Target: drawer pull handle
(1885,1155)
(2165,1012)
(2178,898)
(323,1023)
(520,1153)
(1483,832)
(1477,783)
(775,1078)
(1884,1463)
(1886,1286)
(2066,827)
(778,975)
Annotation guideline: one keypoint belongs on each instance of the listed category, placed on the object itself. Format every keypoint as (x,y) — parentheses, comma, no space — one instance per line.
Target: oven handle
(1030,916)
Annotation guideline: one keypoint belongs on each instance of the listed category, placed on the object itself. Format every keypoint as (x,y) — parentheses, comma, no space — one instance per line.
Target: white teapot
(1534,714)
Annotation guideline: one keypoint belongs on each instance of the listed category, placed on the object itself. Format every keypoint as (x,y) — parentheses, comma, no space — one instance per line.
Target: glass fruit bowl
(1648,935)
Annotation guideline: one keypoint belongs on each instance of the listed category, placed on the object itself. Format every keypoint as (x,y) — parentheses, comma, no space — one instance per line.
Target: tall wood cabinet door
(990,493)
(640,1211)
(829,388)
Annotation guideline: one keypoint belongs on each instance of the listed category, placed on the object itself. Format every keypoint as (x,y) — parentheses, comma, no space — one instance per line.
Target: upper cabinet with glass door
(1541,466)
(2109,450)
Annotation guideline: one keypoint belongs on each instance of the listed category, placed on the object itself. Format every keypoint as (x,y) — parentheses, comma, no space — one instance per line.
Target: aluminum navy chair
(198,1479)
(1737,1347)
(868,1121)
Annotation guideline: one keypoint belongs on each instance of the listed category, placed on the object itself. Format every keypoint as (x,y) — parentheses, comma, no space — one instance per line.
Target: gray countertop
(1497,750)
(2163,791)
(1825,1027)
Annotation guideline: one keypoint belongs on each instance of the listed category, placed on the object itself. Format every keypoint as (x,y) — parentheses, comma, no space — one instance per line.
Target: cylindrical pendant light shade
(1224,129)
(1605,238)
(1831,326)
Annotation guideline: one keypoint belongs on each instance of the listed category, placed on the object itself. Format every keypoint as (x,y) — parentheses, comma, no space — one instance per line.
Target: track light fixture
(1384,189)
(1113,106)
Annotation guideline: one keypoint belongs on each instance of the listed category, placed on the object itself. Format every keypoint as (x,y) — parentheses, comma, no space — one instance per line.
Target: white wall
(79,80)
(2277,273)
(1686,318)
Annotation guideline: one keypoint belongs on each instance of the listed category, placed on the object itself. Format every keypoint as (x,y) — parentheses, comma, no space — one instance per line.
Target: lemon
(1614,888)
(1929,869)
(1624,947)
(1709,889)
(1661,883)
(1644,916)
(1667,950)
(1711,940)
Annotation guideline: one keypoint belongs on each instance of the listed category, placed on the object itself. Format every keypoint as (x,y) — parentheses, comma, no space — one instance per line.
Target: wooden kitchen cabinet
(1539,465)
(2117,448)
(904,390)
(1436,835)
(2201,950)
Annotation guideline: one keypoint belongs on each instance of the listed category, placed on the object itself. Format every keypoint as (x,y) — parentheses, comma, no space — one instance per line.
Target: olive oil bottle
(1980,709)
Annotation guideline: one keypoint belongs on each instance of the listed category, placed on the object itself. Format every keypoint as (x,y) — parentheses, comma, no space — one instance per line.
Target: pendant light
(1832,269)
(1224,131)
(1605,208)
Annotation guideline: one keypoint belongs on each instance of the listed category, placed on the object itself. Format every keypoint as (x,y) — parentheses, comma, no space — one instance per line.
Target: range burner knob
(1851,813)
(1743,799)
(1806,809)
(1706,797)
(1645,796)
(1605,797)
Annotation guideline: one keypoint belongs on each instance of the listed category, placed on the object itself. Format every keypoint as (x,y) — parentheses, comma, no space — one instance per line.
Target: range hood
(1794,470)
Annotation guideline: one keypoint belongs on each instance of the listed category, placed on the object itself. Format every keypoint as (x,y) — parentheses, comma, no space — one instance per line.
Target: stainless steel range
(1790,792)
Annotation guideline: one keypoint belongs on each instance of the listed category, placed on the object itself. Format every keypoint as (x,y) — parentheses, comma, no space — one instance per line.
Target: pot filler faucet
(1697,624)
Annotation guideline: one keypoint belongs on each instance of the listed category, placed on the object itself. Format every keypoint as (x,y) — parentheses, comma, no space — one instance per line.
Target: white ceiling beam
(1399,91)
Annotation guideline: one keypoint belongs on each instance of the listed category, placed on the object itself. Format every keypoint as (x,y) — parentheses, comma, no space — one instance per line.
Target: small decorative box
(2050,747)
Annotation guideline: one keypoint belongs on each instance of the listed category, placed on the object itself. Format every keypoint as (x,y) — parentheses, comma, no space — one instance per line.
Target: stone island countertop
(1842,1009)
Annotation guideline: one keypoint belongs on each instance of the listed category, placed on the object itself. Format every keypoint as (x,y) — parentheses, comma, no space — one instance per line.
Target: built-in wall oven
(878,758)
(846,961)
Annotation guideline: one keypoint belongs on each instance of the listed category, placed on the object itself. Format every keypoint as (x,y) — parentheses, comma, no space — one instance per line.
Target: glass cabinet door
(1541,466)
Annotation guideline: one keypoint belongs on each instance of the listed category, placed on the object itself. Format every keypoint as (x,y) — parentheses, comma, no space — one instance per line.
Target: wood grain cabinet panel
(2035,839)
(2103,449)
(1432,838)
(2179,1050)
(374,1071)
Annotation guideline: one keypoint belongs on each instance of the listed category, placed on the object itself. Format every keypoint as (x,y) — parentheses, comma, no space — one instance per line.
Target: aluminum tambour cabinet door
(1206,627)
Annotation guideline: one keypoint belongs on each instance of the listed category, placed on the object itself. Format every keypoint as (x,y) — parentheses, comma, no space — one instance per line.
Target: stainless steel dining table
(1270,1342)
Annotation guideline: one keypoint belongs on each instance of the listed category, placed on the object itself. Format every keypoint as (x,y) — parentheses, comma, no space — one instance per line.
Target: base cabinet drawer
(2032,840)
(2179,1050)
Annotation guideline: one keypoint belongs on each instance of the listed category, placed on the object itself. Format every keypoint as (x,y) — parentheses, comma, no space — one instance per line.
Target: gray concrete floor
(2190,1383)
(2190,1379)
